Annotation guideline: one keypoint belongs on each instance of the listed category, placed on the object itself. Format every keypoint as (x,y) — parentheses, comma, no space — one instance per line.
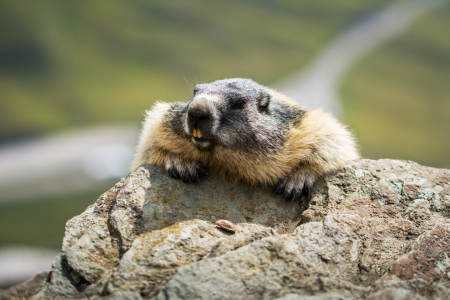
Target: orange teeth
(197,133)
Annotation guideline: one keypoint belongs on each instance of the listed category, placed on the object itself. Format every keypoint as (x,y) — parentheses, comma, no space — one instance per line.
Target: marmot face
(232,113)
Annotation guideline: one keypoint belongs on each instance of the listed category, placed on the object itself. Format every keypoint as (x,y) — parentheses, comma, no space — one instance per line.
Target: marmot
(244,132)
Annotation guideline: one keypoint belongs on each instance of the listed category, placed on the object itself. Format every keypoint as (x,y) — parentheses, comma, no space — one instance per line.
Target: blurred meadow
(397,100)
(67,65)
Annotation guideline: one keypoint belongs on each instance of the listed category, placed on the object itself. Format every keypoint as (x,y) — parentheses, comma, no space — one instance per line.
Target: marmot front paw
(296,184)
(188,171)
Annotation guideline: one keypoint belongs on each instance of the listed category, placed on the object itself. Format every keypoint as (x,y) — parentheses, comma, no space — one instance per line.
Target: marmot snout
(244,132)
(201,121)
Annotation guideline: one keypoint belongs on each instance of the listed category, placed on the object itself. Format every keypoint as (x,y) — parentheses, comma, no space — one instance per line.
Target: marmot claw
(189,172)
(295,185)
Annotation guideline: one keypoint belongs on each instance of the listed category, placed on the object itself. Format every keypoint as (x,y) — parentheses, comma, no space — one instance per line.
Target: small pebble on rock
(226,225)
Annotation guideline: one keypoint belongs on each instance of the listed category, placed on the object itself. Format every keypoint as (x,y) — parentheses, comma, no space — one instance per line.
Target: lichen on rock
(372,230)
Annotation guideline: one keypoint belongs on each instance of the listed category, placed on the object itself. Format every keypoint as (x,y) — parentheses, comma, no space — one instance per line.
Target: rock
(373,230)
(24,290)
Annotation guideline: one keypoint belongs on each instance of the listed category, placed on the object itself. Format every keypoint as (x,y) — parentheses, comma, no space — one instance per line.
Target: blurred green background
(397,100)
(75,64)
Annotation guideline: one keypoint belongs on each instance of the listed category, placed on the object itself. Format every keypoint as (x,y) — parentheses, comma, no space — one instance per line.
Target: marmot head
(233,113)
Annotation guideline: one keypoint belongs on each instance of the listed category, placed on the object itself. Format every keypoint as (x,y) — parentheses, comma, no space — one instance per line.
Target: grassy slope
(41,222)
(398,99)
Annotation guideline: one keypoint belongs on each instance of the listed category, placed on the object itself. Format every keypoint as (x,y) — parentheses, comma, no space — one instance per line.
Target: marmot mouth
(200,139)
(202,143)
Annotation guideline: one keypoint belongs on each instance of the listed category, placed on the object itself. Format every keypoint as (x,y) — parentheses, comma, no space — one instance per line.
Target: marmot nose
(197,116)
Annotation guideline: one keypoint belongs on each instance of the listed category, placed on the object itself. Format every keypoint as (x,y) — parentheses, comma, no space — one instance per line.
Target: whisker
(187,82)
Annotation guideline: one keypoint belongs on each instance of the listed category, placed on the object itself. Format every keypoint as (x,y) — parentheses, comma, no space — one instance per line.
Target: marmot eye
(239,104)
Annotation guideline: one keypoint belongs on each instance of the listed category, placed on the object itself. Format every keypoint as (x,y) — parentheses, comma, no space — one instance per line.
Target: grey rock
(373,230)
(395,294)
(316,297)
(269,266)
(125,296)
(155,257)
(24,290)
(60,283)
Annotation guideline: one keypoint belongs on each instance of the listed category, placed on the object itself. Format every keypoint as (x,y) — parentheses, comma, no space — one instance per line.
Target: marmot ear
(264,101)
